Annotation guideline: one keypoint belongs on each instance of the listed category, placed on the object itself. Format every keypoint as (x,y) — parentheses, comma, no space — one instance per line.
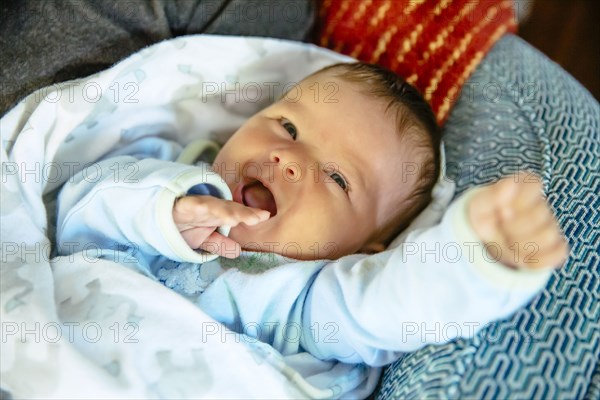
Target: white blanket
(80,327)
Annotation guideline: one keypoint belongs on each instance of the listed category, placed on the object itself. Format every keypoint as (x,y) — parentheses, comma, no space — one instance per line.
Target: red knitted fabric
(434,44)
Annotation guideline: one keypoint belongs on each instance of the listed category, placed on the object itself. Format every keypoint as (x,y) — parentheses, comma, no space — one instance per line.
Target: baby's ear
(372,248)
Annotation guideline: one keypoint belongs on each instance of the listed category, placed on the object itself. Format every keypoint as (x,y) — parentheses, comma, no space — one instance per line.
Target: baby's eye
(340,180)
(288,126)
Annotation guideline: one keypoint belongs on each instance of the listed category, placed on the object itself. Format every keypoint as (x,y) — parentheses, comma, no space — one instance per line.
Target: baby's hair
(415,123)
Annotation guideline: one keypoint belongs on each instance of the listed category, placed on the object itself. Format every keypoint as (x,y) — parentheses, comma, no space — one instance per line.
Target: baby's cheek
(239,234)
(257,238)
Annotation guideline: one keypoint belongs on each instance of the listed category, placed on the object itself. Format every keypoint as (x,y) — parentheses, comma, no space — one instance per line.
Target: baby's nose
(291,168)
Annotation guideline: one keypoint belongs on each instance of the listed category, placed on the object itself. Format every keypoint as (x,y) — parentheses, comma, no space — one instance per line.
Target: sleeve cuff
(494,271)
(180,250)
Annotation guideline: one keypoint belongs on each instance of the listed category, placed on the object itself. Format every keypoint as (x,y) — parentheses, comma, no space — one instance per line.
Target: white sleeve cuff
(181,251)
(494,271)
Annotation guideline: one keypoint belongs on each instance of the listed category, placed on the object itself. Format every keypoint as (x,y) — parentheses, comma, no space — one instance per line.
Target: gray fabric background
(44,42)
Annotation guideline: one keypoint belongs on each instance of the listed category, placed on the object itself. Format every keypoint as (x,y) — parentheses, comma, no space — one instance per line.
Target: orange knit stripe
(420,38)
(451,84)
(383,42)
(360,12)
(434,25)
(455,57)
(332,23)
(434,44)
(408,38)
(459,15)
(324,8)
(443,35)
(358,18)
(449,87)
(371,25)
(381,11)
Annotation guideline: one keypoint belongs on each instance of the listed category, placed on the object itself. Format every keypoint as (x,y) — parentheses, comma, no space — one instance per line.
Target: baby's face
(326,161)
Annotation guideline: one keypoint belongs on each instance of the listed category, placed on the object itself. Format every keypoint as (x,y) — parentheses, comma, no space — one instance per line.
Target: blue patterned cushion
(521,111)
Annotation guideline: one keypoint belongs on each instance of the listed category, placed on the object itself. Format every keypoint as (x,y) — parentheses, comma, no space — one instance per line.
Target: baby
(346,174)
(311,179)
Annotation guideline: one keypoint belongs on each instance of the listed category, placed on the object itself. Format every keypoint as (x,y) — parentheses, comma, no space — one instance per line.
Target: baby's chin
(290,250)
(239,234)
(249,241)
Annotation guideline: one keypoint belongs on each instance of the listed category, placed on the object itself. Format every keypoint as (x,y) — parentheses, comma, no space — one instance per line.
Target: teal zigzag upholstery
(520,111)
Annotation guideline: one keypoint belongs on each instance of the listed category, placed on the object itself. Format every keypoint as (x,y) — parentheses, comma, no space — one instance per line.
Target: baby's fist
(518,227)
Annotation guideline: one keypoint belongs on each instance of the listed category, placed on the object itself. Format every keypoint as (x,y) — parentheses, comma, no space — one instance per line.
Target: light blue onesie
(329,319)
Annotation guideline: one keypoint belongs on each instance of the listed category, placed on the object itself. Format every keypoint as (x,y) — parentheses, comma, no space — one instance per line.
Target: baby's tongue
(258,196)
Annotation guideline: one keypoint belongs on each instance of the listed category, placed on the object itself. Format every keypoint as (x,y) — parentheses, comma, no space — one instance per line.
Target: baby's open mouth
(255,194)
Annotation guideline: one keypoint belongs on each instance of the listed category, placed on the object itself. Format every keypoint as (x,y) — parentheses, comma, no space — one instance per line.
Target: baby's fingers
(194,211)
(524,223)
(221,245)
(234,213)
(548,249)
(517,193)
(533,235)
(195,236)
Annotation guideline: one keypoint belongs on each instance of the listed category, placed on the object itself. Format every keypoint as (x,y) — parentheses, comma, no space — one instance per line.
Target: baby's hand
(512,217)
(197,218)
